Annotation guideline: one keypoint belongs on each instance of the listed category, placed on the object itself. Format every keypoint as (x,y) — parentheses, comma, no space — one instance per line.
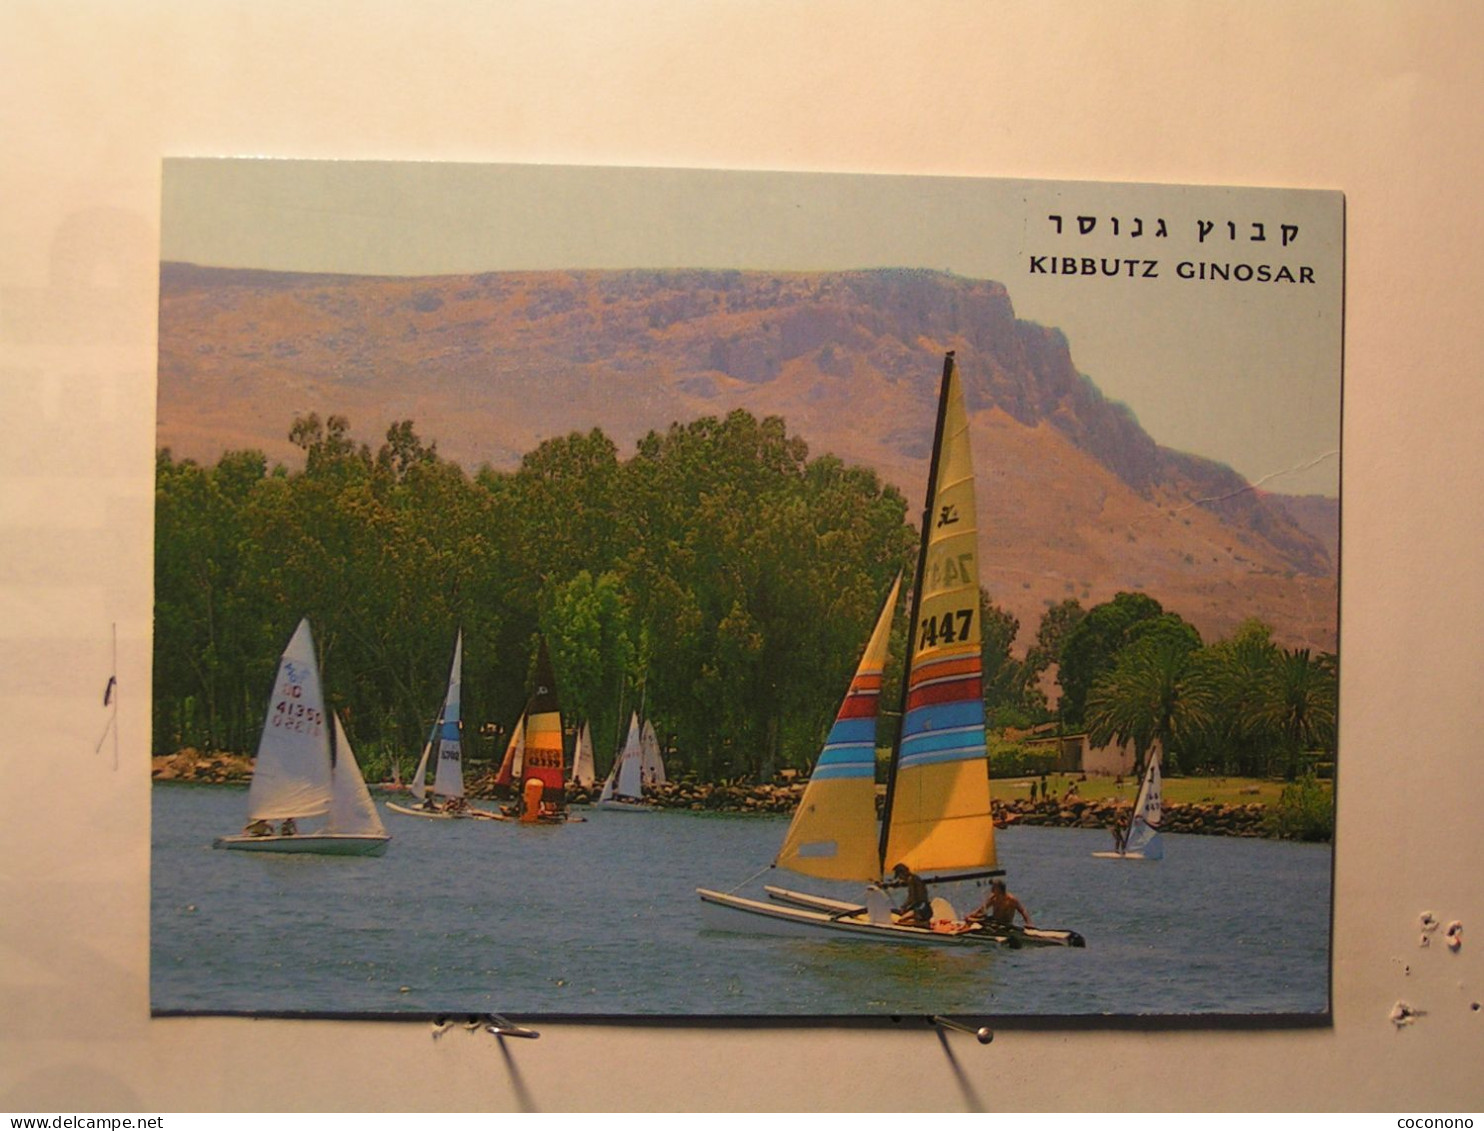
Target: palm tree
(1241,669)
(1299,705)
(1158,692)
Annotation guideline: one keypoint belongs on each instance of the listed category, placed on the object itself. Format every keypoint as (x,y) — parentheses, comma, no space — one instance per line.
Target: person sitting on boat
(917,908)
(430,803)
(999,907)
(259,827)
(288,828)
(457,806)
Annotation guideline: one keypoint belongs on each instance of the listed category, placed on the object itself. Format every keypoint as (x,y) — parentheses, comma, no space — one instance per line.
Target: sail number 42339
(945,629)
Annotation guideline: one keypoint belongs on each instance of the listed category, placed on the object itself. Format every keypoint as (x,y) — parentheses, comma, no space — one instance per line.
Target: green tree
(592,651)
(1158,692)
(1299,706)
(1056,625)
(1240,667)
(1011,697)
(1090,648)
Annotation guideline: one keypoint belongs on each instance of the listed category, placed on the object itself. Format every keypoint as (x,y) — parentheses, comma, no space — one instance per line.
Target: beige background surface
(1382,100)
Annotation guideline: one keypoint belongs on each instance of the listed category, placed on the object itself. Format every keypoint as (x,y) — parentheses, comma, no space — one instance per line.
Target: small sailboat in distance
(651,761)
(1141,839)
(305,769)
(446,740)
(584,775)
(936,819)
(515,755)
(623,791)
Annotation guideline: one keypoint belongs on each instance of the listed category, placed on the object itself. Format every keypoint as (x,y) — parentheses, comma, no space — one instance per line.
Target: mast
(916,606)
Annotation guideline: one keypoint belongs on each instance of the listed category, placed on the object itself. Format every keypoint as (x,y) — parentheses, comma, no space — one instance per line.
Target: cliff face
(1076,499)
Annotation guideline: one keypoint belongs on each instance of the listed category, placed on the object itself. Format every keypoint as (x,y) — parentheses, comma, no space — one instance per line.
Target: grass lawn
(1177,791)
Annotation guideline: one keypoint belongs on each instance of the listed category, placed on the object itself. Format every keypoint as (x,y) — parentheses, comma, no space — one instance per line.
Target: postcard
(616,592)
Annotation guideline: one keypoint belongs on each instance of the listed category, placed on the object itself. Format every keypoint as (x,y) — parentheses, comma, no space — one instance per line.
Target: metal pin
(500,1027)
(983,1034)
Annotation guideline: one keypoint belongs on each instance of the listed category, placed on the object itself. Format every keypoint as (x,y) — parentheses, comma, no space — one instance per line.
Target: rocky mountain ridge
(1075,498)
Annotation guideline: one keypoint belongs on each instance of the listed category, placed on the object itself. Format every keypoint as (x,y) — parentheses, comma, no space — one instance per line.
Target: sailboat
(936,819)
(515,756)
(584,775)
(623,791)
(1141,841)
(305,768)
(651,761)
(446,740)
(542,770)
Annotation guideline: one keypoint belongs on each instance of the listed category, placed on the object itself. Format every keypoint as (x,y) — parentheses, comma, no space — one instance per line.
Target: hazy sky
(1245,372)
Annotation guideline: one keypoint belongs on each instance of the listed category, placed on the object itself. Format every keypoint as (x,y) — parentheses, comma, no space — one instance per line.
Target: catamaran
(446,739)
(623,790)
(541,772)
(305,769)
(936,820)
(1141,840)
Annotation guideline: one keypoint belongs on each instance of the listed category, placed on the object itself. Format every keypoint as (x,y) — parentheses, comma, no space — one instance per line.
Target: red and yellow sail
(833,834)
(937,816)
(544,761)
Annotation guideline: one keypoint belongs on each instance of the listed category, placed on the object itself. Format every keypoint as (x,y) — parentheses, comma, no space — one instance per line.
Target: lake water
(601,917)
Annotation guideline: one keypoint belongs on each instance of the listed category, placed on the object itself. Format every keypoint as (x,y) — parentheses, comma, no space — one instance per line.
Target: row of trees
(1129,671)
(719,579)
(1133,673)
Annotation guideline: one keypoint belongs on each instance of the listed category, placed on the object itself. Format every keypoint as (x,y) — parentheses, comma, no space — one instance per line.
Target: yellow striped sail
(938,814)
(833,834)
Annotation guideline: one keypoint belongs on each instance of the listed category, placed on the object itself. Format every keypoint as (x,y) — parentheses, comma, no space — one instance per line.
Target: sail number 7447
(945,629)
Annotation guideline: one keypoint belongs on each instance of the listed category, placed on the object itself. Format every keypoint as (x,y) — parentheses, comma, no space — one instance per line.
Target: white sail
(291,777)
(583,772)
(1143,833)
(448,780)
(651,764)
(419,779)
(630,781)
(351,809)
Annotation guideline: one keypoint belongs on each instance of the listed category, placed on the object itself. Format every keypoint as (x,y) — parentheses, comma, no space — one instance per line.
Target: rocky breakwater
(1202,818)
(717,797)
(192,765)
(1208,819)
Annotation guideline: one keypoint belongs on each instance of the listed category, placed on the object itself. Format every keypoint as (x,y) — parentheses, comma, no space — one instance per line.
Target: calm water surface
(601,918)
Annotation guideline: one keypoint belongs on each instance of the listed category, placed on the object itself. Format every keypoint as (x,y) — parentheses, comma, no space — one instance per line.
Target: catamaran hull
(322,844)
(1123,856)
(1011,936)
(439,815)
(721,912)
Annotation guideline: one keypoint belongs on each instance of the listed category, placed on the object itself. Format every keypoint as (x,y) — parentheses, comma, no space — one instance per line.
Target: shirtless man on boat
(999,907)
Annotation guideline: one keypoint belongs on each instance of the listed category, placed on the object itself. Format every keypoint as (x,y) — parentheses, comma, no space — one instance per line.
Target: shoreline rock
(191,765)
(1200,819)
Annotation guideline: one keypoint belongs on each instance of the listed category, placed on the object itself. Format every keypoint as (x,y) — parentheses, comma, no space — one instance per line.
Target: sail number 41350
(297,717)
(945,629)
